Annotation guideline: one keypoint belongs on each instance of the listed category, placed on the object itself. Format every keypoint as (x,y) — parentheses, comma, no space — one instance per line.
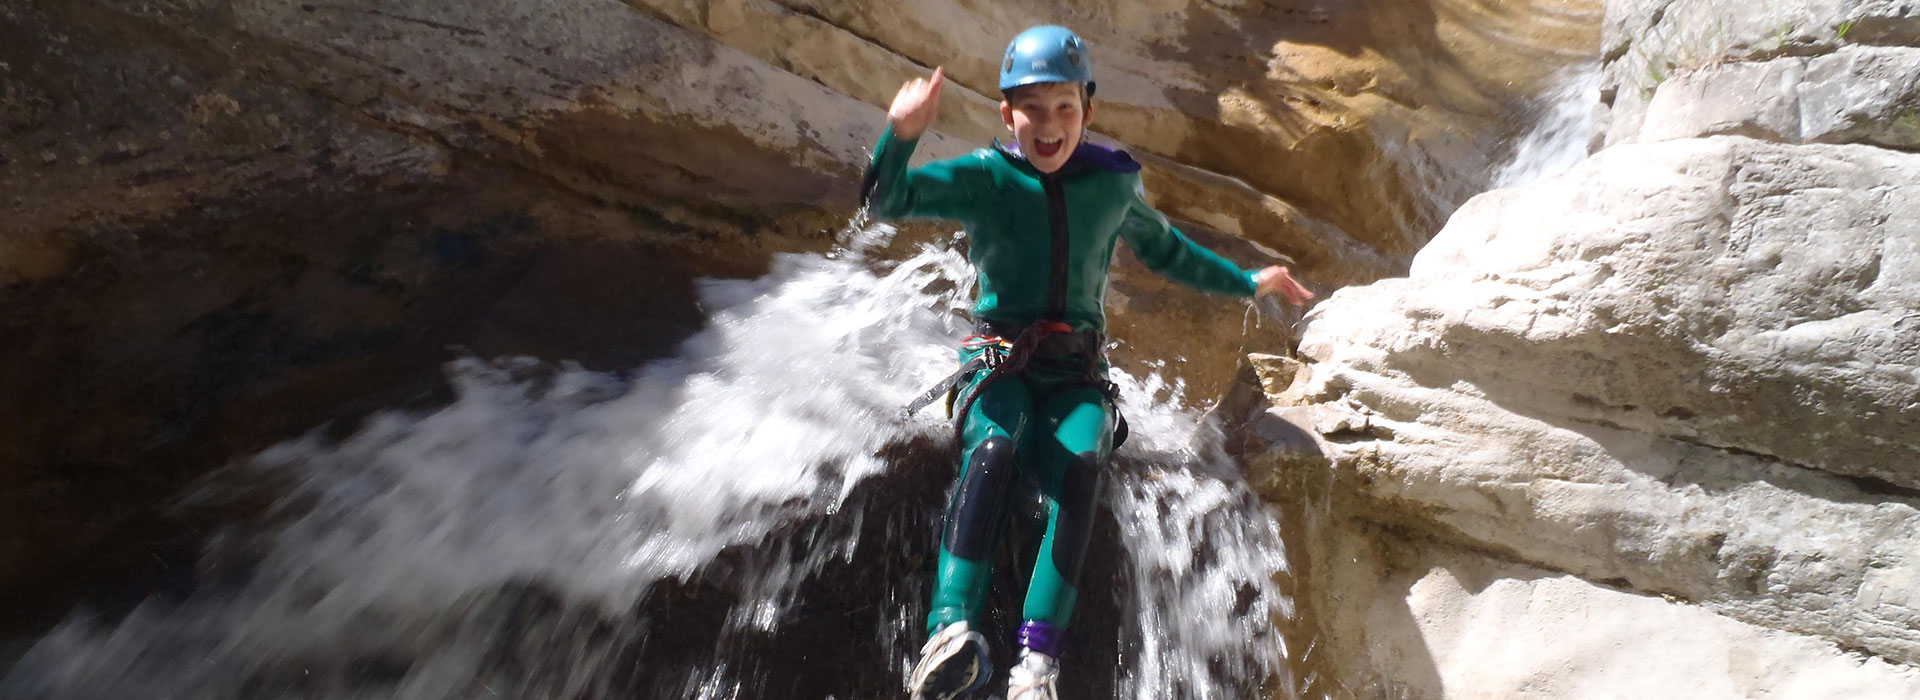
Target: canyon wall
(1646,428)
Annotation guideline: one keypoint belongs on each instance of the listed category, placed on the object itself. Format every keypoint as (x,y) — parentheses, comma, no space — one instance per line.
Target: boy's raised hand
(916,104)
(1279,279)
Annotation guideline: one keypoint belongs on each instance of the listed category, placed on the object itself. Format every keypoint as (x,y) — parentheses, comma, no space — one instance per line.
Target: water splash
(1561,131)
(1199,539)
(542,533)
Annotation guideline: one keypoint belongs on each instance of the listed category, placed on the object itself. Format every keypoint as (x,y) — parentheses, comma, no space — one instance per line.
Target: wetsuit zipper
(1057,220)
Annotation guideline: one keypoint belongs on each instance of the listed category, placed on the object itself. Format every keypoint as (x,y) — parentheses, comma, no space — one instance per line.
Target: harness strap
(945,385)
(993,351)
(1018,355)
(1001,358)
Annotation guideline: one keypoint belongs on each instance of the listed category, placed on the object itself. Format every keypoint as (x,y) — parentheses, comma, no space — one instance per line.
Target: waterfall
(1562,128)
(745,518)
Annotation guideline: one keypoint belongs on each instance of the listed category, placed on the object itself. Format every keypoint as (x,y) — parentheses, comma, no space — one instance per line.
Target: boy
(1042,216)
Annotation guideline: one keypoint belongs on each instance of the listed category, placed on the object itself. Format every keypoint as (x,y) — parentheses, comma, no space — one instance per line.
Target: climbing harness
(1000,358)
(993,350)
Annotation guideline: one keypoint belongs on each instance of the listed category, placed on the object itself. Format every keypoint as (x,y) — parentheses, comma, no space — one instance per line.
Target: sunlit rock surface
(1649,425)
(1845,65)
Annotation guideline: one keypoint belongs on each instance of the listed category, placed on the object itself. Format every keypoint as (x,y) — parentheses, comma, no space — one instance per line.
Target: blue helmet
(1046,54)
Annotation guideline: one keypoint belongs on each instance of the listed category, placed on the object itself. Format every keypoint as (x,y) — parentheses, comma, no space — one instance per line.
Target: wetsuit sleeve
(1166,250)
(949,189)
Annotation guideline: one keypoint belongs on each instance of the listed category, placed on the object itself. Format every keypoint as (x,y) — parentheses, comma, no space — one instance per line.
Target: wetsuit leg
(989,466)
(1070,456)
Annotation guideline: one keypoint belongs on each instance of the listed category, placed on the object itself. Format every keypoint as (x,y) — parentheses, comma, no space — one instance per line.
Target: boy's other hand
(916,104)
(1279,279)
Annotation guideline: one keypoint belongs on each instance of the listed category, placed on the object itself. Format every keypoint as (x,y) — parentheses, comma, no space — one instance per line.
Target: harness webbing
(1018,354)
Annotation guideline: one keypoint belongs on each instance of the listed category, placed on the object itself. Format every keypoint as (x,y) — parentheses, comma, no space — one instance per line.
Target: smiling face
(1047,120)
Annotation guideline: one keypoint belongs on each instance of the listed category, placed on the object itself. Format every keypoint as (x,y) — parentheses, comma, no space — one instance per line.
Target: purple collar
(1086,155)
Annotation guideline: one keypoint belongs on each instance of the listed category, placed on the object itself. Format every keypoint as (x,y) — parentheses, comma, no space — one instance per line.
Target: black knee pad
(1079,493)
(980,501)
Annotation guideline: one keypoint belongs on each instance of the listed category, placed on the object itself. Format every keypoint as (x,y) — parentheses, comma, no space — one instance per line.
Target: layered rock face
(1649,428)
(229,221)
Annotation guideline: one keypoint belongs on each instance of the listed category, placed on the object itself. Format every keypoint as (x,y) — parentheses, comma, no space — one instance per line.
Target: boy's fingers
(939,78)
(1281,280)
(1299,291)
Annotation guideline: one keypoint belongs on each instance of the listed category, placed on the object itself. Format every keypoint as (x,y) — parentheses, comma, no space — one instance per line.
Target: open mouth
(1047,148)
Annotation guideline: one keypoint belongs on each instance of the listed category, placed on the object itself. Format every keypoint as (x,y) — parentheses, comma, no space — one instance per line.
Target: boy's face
(1047,120)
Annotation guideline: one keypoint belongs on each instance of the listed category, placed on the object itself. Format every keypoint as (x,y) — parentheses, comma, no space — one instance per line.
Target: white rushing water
(1562,127)
(1437,177)
(1205,553)
(534,537)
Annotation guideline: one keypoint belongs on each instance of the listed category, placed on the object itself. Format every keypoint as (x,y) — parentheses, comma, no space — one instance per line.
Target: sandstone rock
(606,99)
(1696,284)
(33,256)
(1865,95)
(1684,369)
(743,117)
(1647,42)
(1282,378)
(1220,89)
(1442,621)
(1679,32)
(1679,382)
(1768,544)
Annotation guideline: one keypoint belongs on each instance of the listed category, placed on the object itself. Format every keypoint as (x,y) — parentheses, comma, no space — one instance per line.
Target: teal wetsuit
(1048,422)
